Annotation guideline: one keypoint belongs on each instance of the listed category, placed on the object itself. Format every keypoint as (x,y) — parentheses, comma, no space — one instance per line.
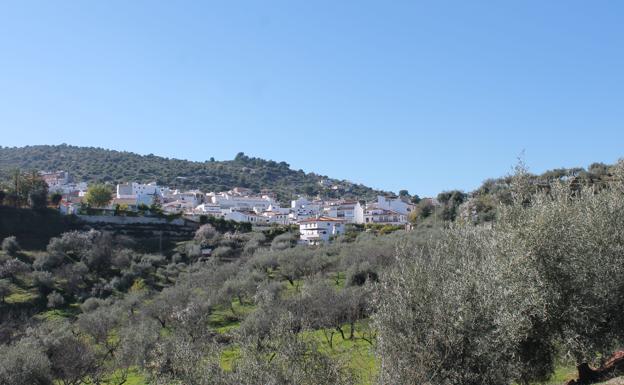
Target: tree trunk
(339,328)
(329,337)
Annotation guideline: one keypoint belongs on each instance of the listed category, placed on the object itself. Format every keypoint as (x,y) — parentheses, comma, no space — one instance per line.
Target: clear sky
(419,95)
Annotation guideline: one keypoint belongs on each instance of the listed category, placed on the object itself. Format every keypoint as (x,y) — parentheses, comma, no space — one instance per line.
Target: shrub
(284,241)
(55,300)
(24,364)
(91,304)
(5,289)
(13,267)
(222,252)
(10,246)
(206,235)
(43,281)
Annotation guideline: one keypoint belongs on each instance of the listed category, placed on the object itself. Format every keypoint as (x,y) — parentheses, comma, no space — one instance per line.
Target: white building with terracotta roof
(344,210)
(319,230)
(372,214)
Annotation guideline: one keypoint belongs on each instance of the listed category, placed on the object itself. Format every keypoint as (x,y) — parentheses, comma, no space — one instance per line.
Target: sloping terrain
(97,164)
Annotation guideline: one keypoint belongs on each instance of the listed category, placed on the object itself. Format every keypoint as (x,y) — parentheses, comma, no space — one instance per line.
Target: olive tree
(496,305)
(12,268)
(573,239)
(453,315)
(24,364)
(207,235)
(5,289)
(72,360)
(55,300)
(284,241)
(10,246)
(177,358)
(289,358)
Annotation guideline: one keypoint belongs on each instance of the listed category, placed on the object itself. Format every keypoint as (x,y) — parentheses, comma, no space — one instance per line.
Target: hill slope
(97,164)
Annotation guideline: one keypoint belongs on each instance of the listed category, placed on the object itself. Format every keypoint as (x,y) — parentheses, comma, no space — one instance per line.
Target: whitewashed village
(319,220)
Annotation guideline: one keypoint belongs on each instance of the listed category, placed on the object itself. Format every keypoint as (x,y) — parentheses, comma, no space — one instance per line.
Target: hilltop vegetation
(483,205)
(101,165)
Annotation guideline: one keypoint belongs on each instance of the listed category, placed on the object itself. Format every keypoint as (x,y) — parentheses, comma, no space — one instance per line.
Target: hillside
(97,164)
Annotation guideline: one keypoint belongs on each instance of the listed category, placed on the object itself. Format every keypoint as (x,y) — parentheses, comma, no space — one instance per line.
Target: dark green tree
(56,198)
(38,197)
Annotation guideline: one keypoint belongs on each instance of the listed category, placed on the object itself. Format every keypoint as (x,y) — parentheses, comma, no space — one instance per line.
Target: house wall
(358,213)
(393,204)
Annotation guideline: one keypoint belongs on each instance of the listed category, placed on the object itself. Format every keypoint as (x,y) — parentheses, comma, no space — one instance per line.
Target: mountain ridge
(96,164)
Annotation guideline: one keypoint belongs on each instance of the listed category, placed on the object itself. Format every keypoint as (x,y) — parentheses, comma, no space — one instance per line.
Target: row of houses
(318,219)
(61,182)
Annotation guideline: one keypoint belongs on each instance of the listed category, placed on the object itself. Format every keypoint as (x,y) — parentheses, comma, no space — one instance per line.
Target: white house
(178,206)
(208,209)
(226,201)
(74,189)
(61,182)
(79,189)
(241,191)
(133,190)
(125,191)
(146,199)
(244,216)
(342,210)
(141,194)
(319,230)
(302,208)
(394,204)
(277,215)
(299,202)
(192,197)
(55,179)
(372,214)
(145,189)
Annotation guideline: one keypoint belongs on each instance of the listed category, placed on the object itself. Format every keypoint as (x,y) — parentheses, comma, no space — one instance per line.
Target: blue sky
(425,96)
